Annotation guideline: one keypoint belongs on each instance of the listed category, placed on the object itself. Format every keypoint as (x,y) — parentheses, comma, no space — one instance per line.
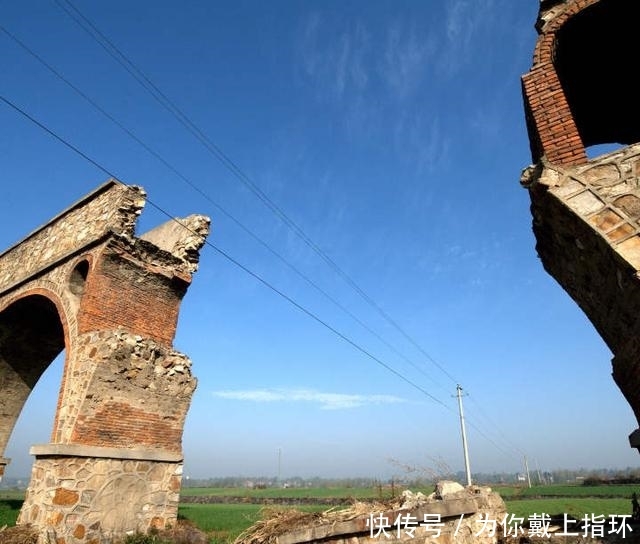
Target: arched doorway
(595,53)
(31,337)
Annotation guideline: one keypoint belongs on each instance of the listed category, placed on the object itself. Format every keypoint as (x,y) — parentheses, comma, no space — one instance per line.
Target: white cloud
(459,21)
(379,82)
(420,140)
(465,20)
(327,401)
(405,60)
(334,62)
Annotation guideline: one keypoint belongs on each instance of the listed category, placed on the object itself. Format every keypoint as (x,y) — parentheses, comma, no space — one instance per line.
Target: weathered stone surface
(446,488)
(112,208)
(116,498)
(182,237)
(65,497)
(79,531)
(594,253)
(84,283)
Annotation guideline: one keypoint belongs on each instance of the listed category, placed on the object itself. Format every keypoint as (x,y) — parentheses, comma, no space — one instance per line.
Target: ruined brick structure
(85,284)
(586,212)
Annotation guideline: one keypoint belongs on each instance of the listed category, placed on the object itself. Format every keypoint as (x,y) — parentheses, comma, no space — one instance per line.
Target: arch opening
(34,423)
(595,57)
(31,337)
(78,278)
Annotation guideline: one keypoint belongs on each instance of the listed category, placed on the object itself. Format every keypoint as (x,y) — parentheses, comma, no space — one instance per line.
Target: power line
(206,196)
(227,214)
(244,268)
(90,28)
(135,72)
(224,254)
(497,428)
(489,439)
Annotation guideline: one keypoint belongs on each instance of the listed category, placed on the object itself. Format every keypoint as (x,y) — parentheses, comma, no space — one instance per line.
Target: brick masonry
(84,283)
(586,213)
(552,128)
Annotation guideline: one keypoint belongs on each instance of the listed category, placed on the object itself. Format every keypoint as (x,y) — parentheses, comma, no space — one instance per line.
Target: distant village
(576,476)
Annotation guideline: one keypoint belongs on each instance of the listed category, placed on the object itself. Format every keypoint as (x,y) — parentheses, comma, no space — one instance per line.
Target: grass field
(11,494)
(297,493)
(9,510)
(576,507)
(563,490)
(224,522)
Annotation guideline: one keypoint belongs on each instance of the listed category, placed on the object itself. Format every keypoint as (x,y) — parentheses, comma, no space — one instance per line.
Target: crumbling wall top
(549,10)
(575,93)
(111,208)
(110,211)
(181,237)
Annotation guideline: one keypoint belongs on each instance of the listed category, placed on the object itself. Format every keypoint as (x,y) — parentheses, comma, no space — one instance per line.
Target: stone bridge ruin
(586,212)
(83,283)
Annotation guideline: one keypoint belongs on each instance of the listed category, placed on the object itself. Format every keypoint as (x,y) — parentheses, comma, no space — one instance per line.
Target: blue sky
(392,134)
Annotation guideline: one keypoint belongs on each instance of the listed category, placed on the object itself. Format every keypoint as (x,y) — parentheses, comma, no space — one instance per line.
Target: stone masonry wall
(112,207)
(90,500)
(587,226)
(127,392)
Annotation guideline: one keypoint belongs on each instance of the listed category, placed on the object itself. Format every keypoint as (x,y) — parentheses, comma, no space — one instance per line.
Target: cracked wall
(86,284)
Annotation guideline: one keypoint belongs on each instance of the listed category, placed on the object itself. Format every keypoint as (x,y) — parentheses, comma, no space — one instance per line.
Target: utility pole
(464,435)
(279,463)
(526,468)
(540,479)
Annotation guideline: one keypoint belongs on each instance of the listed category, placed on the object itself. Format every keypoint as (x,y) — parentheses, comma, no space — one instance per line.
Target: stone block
(65,497)
(585,203)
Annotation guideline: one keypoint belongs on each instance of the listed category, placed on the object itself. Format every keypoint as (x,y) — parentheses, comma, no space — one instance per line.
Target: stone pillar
(84,494)
(86,284)
(117,462)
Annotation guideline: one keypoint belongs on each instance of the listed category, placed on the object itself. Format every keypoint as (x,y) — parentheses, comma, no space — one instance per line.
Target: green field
(11,494)
(9,509)
(223,522)
(297,493)
(565,490)
(576,507)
